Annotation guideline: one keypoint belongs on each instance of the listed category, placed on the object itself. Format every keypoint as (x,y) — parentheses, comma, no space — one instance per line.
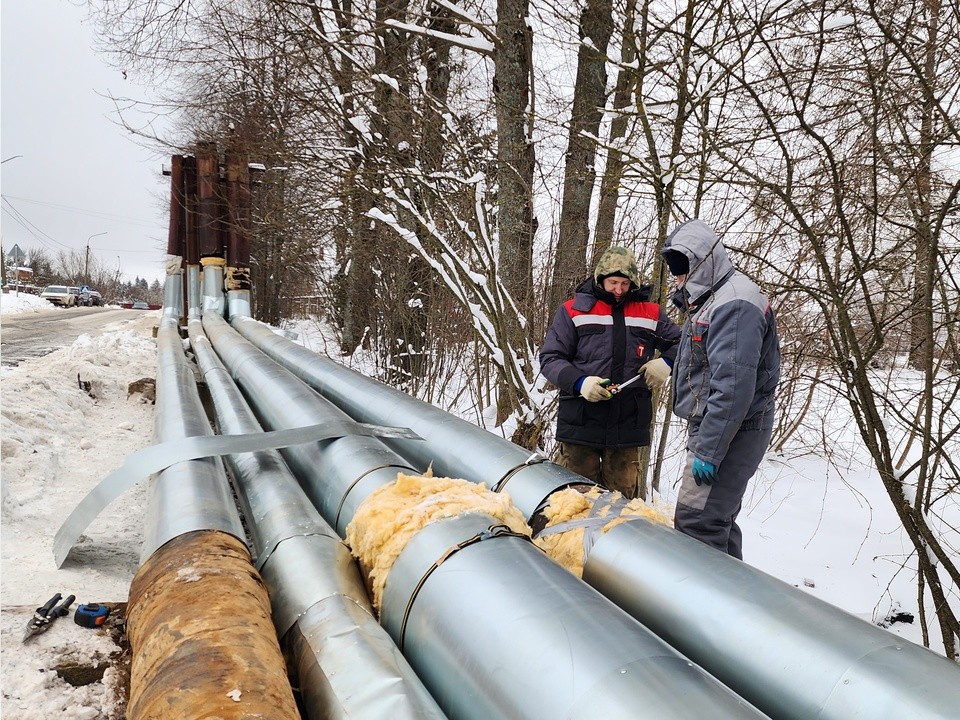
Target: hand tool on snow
(91,615)
(45,615)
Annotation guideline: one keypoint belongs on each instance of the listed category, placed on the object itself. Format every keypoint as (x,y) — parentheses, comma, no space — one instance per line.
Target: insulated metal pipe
(524,638)
(648,570)
(190,656)
(213,300)
(189,495)
(347,665)
(793,655)
(173,296)
(194,297)
(453,447)
(494,628)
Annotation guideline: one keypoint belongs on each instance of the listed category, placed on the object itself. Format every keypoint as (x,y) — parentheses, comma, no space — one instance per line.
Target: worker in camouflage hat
(606,334)
(617,261)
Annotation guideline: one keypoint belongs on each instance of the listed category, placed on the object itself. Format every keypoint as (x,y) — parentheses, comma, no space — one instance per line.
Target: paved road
(38,334)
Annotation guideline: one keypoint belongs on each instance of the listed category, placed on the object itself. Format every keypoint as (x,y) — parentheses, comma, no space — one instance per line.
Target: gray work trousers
(709,512)
(614,468)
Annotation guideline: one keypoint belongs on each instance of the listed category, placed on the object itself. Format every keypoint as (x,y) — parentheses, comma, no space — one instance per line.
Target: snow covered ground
(823,526)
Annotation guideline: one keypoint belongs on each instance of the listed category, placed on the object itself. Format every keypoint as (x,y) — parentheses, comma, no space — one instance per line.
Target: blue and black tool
(91,615)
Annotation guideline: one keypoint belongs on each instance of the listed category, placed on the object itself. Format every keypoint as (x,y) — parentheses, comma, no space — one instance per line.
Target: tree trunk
(589,96)
(516,224)
(615,163)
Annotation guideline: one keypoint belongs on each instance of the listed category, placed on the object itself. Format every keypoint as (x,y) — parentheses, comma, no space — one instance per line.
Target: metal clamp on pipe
(492,531)
(534,459)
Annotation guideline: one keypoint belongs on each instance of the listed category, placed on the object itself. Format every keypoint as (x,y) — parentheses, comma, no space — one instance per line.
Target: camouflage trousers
(614,468)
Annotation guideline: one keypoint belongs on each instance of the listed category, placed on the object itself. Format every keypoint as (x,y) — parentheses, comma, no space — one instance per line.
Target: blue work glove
(704,473)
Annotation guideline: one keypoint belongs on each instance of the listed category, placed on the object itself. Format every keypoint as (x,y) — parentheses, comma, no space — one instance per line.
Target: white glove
(656,373)
(592,390)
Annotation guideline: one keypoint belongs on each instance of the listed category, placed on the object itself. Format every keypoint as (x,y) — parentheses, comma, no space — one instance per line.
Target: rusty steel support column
(191,247)
(208,181)
(237,274)
(176,242)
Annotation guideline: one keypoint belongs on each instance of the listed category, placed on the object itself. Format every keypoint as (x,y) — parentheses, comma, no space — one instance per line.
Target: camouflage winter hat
(617,261)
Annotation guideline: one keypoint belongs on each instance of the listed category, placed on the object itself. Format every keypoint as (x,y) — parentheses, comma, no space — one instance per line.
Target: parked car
(59,295)
(96,298)
(78,299)
(140,305)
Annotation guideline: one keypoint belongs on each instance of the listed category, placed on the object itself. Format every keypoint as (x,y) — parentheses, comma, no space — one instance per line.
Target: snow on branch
(484,47)
(471,275)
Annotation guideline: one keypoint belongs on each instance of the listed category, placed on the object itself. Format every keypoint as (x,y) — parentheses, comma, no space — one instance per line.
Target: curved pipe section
(648,570)
(468,606)
(347,664)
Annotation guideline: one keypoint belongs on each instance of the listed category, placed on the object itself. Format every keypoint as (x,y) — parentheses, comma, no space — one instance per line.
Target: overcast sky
(79,173)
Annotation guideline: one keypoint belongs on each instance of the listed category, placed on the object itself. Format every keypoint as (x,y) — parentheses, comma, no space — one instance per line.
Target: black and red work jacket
(592,334)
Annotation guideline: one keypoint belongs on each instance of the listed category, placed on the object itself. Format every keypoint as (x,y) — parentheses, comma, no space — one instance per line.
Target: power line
(83,211)
(32,229)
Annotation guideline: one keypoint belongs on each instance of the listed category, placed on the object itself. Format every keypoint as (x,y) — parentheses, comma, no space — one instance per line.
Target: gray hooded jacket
(728,362)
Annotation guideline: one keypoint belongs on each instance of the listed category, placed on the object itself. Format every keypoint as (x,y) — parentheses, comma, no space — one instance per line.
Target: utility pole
(86,261)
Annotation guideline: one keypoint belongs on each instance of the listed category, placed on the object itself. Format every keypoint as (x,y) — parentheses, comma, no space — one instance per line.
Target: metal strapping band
(535,459)
(343,498)
(155,458)
(493,531)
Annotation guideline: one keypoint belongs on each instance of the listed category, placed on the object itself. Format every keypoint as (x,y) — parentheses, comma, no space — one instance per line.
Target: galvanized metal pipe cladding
(577,652)
(832,663)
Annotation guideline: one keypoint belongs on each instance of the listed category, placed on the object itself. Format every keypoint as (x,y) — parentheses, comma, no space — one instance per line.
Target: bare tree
(589,98)
(843,179)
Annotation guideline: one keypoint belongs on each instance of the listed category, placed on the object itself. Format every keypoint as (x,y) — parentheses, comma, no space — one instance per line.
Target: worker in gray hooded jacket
(725,377)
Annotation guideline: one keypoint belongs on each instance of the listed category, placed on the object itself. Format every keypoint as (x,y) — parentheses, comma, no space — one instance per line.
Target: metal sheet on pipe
(173,295)
(187,438)
(238,303)
(343,464)
(795,656)
(192,495)
(325,643)
(194,298)
(542,644)
(213,300)
(276,507)
(305,570)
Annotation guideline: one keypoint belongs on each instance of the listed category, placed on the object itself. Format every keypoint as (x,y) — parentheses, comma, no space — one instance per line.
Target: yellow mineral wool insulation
(567,548)
(202,641)
(394,513)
